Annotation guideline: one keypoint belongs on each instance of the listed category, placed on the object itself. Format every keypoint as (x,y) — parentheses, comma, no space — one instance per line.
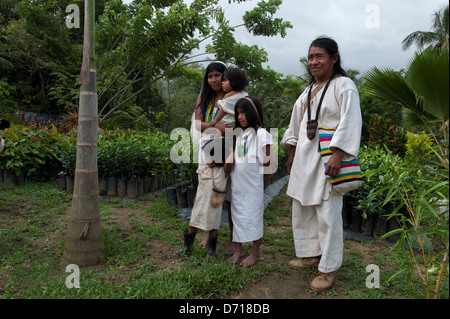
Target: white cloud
(361,46)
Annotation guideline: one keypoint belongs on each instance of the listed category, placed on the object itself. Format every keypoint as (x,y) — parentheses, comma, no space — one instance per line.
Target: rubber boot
(212,245)
(188,241)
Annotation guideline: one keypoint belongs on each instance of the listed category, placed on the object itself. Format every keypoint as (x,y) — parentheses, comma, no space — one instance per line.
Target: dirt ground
(294,284)
(286,284)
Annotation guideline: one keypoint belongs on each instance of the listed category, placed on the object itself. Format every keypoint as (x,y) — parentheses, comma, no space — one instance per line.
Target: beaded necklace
(208,116)
(242,143)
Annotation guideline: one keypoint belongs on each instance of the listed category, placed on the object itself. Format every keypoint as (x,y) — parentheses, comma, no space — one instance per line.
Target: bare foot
(230,248)
(250,260)
(204,243)
(235,258)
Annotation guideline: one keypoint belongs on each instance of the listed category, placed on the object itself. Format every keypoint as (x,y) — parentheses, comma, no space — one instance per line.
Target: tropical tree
(43,51)
(165,39)
(4,63)
(138,44)
(155,39)
(84,241)
(438,38)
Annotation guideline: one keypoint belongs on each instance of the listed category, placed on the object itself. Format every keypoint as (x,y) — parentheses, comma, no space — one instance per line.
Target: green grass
(141,239)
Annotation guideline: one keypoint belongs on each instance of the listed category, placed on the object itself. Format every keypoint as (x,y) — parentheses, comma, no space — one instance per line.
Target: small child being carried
(233,83)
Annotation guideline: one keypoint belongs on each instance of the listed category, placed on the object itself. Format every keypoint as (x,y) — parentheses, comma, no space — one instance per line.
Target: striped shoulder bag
(350,176)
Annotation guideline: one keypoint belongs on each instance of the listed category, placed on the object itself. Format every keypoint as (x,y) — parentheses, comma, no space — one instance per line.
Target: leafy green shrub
(381,169)
(376,164)
(419,149)
(68,152)
(127,153)
(383,132)
(424,227)
(120,153)
(29,149)
(417,196)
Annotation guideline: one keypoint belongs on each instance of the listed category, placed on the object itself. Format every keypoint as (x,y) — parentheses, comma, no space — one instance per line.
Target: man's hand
(290,159)
(334,163)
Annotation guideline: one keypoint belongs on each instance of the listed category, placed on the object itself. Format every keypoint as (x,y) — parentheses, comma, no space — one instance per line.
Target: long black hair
(332,49)
(255,118)
(207,94)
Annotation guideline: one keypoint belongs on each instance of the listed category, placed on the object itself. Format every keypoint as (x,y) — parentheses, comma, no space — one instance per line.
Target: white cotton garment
(204,216)
(247,186)
(318,231)
(341,111)
(228,105)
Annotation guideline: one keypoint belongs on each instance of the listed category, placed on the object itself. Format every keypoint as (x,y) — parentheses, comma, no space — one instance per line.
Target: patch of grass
(141,238)
(32,241)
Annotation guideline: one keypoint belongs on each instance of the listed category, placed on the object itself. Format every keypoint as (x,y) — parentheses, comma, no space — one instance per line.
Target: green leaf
(395,275)
(390,85)
(428,76)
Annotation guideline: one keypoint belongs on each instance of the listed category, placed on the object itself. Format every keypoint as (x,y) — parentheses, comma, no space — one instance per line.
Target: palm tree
(438,38)
(423,90)
(84,240)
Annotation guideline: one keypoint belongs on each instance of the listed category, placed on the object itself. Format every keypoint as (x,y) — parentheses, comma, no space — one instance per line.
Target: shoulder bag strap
(215,189)
(321,98)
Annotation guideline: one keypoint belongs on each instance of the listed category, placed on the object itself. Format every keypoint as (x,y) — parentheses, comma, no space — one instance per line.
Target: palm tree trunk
(84,240)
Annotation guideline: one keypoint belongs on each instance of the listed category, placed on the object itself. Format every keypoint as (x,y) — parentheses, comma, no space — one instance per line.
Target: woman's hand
(228,163)
(221,127)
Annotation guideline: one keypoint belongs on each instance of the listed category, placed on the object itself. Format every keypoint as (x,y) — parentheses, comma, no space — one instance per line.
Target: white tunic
(340,110)
(247,187)
(228,105)
(204,216)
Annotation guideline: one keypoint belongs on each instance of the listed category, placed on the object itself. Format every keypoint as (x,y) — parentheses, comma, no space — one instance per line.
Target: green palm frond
(421,38)
(428,76)
(387,84)
(438,38)
(424,89)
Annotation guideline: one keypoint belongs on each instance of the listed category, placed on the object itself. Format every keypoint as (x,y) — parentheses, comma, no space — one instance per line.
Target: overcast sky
(369,32)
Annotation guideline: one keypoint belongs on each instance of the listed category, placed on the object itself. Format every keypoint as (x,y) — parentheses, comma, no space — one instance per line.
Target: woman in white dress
(206,110)
(205,216)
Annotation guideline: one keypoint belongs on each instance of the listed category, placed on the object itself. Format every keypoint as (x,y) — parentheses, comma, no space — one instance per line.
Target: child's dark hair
(253,111)
(211,145)
(238,79)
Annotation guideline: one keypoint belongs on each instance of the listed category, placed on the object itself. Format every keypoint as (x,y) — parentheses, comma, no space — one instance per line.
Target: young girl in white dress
(251,155)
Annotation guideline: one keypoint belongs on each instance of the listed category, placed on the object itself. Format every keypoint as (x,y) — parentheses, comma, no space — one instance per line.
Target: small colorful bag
(350,176)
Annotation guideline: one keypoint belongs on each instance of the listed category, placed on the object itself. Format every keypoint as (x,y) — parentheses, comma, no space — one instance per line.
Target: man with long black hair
(330,101)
